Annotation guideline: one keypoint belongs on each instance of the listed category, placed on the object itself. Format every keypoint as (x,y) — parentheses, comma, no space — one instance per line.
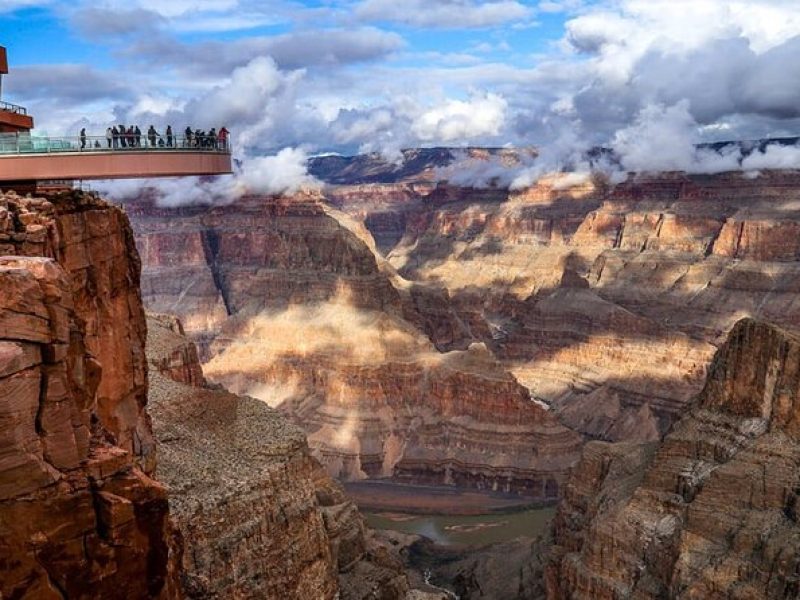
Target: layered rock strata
(171,353)
(605,302)
(711,512)
(92,241)
(608,302)
(386,404)
(259,517)
(206,264)
(78,519)
(321,327)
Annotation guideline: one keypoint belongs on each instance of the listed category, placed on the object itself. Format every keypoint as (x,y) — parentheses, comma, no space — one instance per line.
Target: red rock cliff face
(171,353)
(607,304)
(383,208)
(711,512)
(92,241)
(78,519)
(413,416)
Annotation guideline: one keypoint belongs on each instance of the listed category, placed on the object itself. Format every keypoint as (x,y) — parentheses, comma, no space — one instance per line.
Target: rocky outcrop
(171,353)
(512,570)
(78,519)
(92,241)
(711,512)
(368,567)
(259,517)
(384,403)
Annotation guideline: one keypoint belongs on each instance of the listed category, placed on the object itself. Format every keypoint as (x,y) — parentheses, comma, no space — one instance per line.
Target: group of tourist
(131,137)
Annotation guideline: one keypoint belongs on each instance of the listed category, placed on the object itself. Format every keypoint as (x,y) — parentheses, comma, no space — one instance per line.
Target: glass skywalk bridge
(25,143)
(26,157)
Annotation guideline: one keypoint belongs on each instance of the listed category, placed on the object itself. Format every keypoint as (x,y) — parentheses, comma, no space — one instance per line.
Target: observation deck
(25,157)
(28,161)
(14,118)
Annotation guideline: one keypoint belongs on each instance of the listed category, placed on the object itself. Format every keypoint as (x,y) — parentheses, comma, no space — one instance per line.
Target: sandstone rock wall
(383,208)
(207,264)
(92,241)
(453,419)
(377,400)
(171,353)
(78,519)
(606,303)
(708,513)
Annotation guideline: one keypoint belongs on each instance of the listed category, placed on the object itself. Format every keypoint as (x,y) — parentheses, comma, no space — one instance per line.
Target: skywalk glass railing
(24,143)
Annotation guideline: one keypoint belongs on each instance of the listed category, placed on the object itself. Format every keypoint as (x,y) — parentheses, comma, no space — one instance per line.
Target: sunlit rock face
(258,515)
(208,264)
(78,516)
(377,400)
(323,328)
(607,302)
(711,512)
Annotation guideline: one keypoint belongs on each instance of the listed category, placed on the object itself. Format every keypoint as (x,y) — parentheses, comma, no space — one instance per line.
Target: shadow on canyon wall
(643,314)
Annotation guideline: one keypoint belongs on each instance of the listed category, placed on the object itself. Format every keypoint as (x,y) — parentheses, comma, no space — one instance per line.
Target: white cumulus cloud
(481,115)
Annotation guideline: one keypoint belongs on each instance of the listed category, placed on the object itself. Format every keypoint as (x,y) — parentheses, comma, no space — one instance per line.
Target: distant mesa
(416,164)
(428,166)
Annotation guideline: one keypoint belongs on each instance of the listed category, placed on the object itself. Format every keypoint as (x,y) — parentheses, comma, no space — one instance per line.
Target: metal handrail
(24,143)
(14,108)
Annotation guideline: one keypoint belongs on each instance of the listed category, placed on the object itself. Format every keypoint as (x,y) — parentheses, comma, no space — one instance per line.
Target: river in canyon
(467,530)
(449,516)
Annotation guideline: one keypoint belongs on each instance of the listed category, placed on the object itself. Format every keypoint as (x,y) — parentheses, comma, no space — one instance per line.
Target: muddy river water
(473,530)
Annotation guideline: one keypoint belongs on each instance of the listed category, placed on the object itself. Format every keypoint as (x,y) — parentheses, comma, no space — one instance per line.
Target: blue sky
(379,75)
(44,35)
(37,36)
